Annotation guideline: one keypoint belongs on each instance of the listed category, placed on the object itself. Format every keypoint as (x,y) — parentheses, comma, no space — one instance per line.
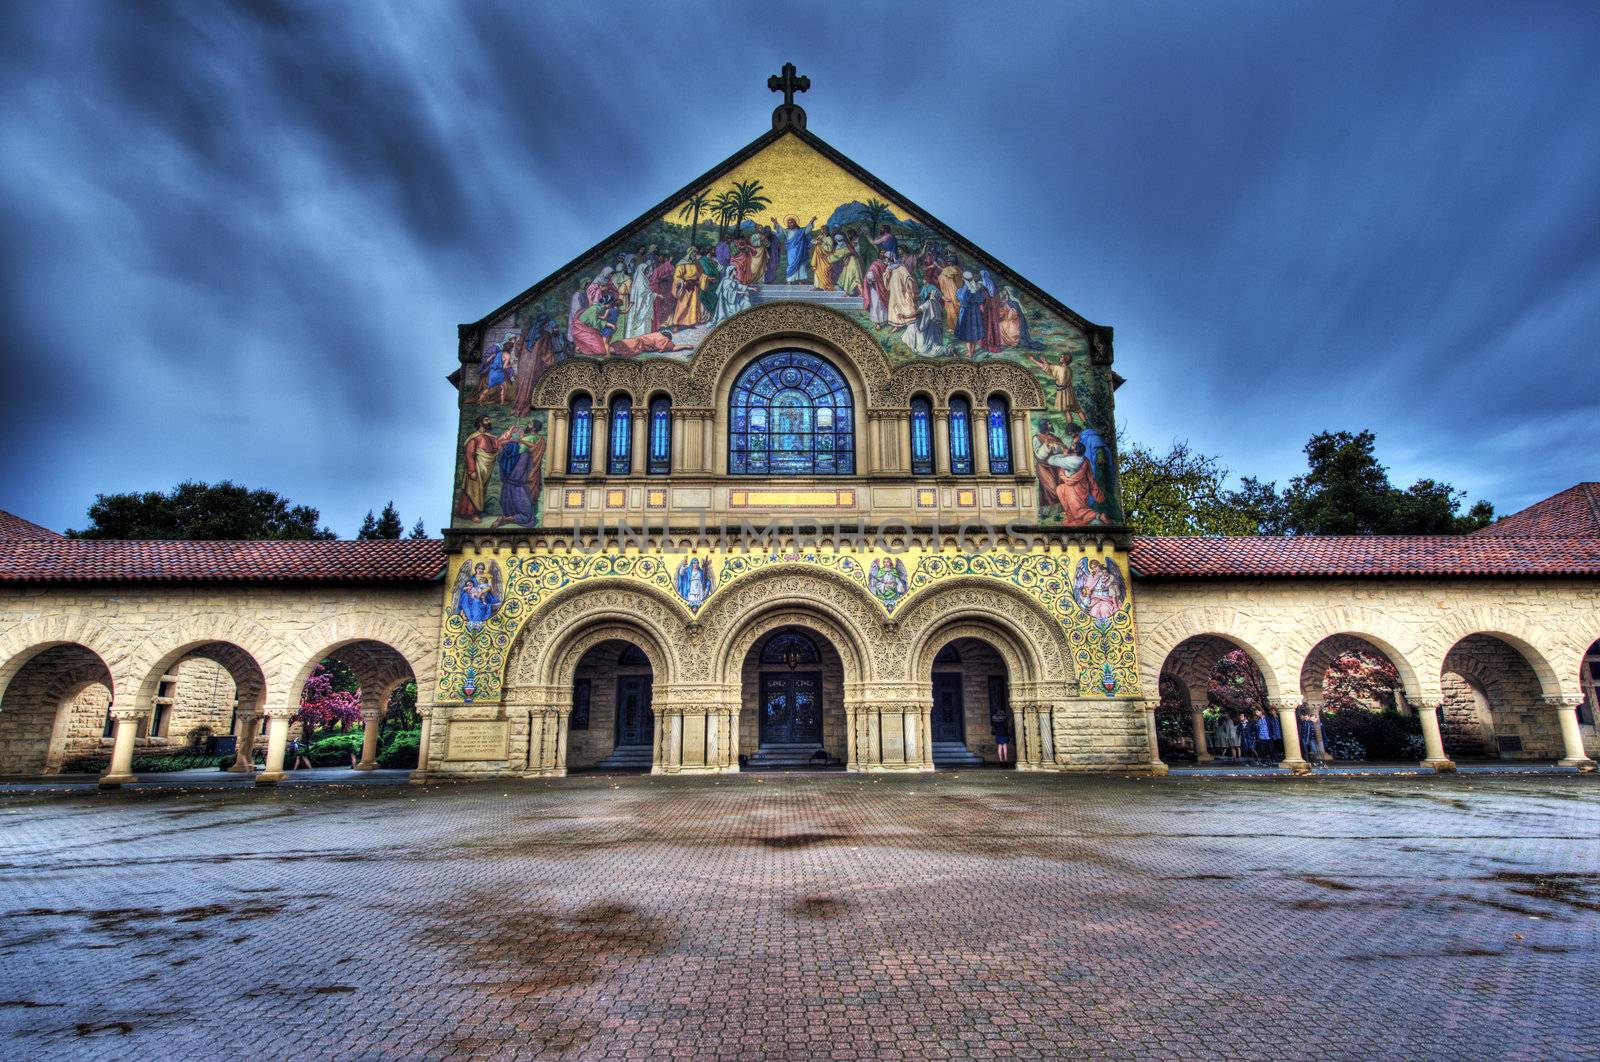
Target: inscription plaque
(476,739)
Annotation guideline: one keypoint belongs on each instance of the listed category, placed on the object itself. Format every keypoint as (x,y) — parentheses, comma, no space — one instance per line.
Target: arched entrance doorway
(1493,703)
(792,710)
(1354,691)
(613,723)
(379,681)
(971,721)
(54,710)
(1214,699)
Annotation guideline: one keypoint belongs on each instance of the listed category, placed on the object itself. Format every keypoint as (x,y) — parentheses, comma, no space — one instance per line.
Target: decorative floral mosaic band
(492,596)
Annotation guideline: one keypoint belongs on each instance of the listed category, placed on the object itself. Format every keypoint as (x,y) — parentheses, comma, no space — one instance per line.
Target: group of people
(1256,737)
(1073,465)
(633,305)
(518,454)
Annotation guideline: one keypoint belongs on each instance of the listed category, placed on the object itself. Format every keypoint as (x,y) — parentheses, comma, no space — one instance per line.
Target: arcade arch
(55,705)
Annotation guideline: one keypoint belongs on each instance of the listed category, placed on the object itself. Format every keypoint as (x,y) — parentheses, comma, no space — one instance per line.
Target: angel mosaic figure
(478,593)
(886,578)
(1099,590)
(695,580)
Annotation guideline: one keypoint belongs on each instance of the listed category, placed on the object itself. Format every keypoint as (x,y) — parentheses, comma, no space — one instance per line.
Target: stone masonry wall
(1417,623)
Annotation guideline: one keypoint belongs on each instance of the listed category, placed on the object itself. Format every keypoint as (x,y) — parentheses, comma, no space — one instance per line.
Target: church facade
(786,473)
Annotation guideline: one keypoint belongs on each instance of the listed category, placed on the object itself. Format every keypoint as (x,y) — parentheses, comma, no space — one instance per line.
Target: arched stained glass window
(999,421)
(921,437)
(790,413)
(619,437)
(660,458)
(960,437)
(580,436)
(790,647)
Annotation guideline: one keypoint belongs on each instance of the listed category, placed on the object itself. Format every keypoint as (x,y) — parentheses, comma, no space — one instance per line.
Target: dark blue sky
(237,239)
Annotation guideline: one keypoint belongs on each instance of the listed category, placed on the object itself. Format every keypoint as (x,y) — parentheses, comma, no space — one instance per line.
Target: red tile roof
(1575,511)
(1331,556)
(66,560)
(14,528)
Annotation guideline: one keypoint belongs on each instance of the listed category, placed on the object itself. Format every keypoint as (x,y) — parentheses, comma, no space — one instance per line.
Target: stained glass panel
(791,414)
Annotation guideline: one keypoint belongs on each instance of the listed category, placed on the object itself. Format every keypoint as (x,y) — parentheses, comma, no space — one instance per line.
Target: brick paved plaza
(990,915)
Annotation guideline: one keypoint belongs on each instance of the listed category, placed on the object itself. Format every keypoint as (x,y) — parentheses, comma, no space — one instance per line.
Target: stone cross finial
(788,113)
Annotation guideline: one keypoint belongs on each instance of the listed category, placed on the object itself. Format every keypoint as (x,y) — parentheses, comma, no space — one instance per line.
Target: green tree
(874,213)
(691,209)
(1180,492)
(748,200)
(193,510)
(1346,491)
(725,208)
(417,530)
(1260,506)
(387,525)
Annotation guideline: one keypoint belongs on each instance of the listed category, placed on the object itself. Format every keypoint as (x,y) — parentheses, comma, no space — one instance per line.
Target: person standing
(641,298)
(971,327)
(687,281)
(477,465)
(661,285)
(875,293)
(902,292)
(1226,736)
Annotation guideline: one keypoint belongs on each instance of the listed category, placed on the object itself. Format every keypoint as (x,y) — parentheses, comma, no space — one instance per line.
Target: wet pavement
(985,914)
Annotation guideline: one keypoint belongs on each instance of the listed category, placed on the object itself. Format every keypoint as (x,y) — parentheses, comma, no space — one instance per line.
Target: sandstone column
(1021,445)
(245,729)
(693,724)
(1571,735)
(1156,766)
(1197,721)
(424,743)
(1034,723)
(277,743)
(370,719)
(1292,759)
(941,440)
(546,711)
(125,727)
(889,736)
(599,449)
(556,452)
(640,456)
(1432,740)
(680,431)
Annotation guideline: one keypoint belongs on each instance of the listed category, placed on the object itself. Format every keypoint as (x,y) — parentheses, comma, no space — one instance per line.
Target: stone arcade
(735,490)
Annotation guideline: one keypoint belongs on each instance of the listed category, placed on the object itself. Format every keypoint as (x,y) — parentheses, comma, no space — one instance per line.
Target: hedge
(400,753)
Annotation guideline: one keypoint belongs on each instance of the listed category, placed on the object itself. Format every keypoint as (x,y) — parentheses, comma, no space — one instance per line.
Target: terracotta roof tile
(1329,556)
(14,528)
(1575,511)
(65,560)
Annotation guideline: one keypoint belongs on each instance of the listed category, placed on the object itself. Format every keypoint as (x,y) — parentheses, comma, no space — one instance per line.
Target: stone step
(954,753)
(803,293)
(790,755)
(628,758)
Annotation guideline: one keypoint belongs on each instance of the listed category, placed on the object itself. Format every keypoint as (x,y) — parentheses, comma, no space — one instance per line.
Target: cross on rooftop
(788,112)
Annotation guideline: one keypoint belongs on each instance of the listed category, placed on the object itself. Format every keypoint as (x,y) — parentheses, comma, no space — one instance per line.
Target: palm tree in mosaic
(748,200)
(875,212)
(691,209)
(724,208)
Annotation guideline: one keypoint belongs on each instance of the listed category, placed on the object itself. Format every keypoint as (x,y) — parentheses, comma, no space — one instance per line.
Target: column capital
(128,712)
(1562,702)
(371,715)
(280,710)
